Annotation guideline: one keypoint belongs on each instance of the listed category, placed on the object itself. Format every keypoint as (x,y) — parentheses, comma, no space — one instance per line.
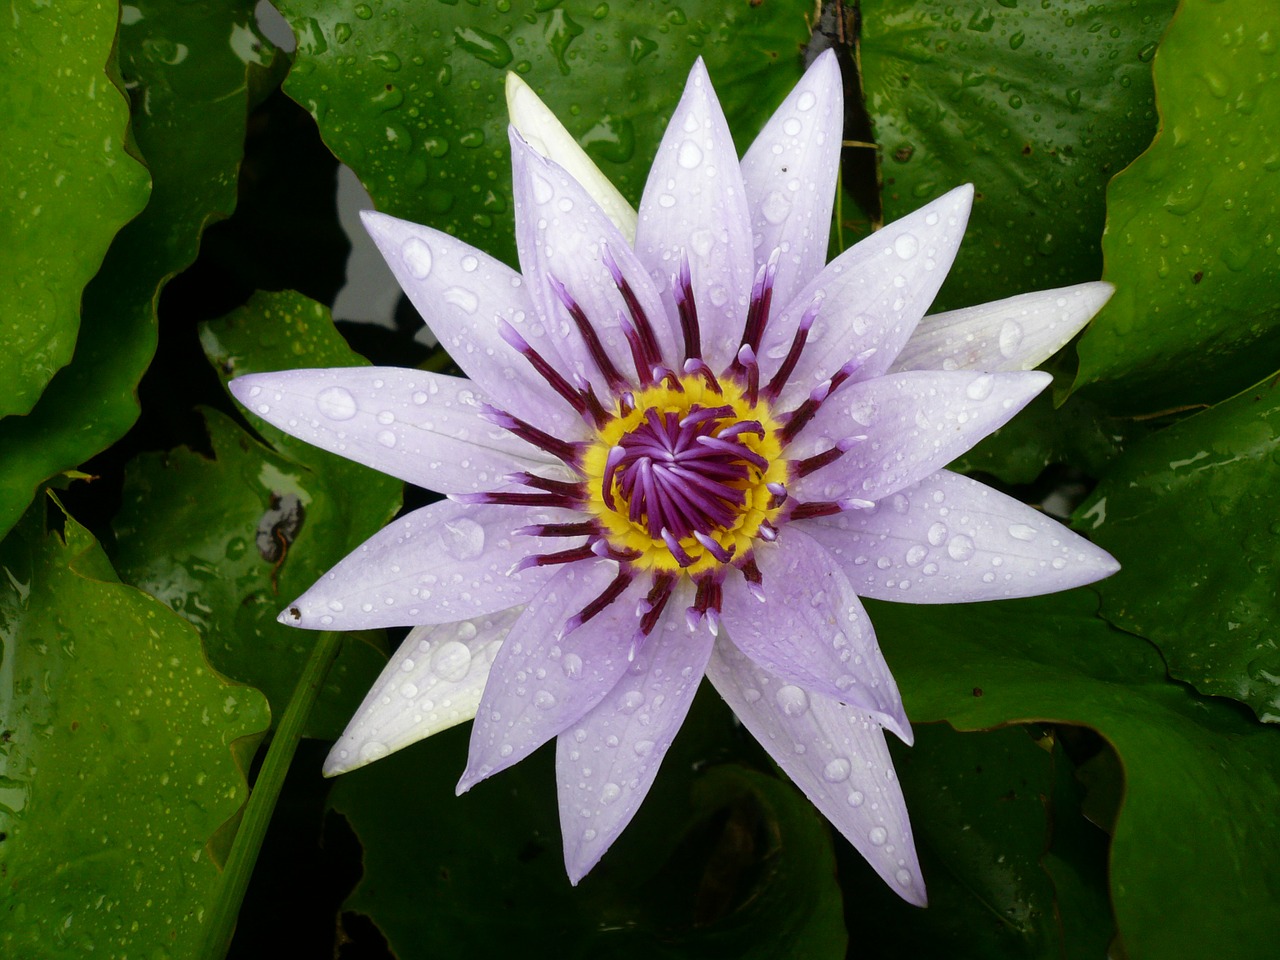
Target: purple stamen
(678,552)
(642,363)
(586,528)
(548,373)
(551,559)
(761,299)
(774,389)
(820,460)
(746,361)
(643,328)
(695,367)
(602,360)
(610,594)
(569,452)
(682,288)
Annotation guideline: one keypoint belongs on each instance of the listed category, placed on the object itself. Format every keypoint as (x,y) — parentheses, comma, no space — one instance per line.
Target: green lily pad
(228,541)
(123,754)
(1195,839)
(981,812)
(723,862)
(1190,241)
(189,69)
(410,96)
(66,174)
(1192,513)
(1036,104)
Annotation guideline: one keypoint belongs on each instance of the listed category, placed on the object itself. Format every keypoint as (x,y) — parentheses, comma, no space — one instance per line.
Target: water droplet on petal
(609,793)
(837,771)
(980,387)
(373,750)
(903,877)
(960,547)
(463,538)
(792,700)
(544,700)
(878,836)
(689,155)
(806,101)
(775,207)
(572,665)
(937,534)
(643,748)
(1020,531)
(336,403)
(452,661)
(386,438)
(855,798)
(417,257)
(1010,338)
(460,297)
(906,246)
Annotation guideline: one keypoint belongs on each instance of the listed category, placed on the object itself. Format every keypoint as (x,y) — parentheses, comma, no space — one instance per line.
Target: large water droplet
(806,101)
(463,299)
(906,246)
(878,835)
(689,155)
(417,257)
(610,792)
(980,388)
(960,547)
(1010,338)
(463,538)
(937,534)
(776,207)
(792,700)
(572,665)
(452,661)
(1020,531)
(373,750)
(336,403)
(837,771)
(544,700)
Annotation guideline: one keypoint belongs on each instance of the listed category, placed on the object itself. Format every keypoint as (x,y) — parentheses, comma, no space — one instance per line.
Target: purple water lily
(685,448)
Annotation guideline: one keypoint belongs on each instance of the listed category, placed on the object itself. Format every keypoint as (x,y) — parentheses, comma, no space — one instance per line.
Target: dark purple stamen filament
(602,360)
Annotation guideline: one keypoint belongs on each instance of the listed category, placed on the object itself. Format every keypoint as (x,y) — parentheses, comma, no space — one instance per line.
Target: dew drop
(463,299)
(903,877)
(1020,531)
(610,792)
(937,534)
(463,539)
(542,191)
(792,700)
(386,438)
(878,835)
(906,246)
(417,257)
(373,750)
(837,771)
(792,126)
(776,207)
(915,555)
(336,403)
(960,547)
(1010,338)
(702,241)
(980,387)
(643,748)
(544,700)
(469,264)
(419,397)
(452,661)
(572,666)
(689,155)
(806,101)
(855,798)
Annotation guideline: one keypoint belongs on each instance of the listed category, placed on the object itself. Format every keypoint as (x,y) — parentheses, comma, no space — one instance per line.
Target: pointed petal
(949,539)
(914,424)
(545,680)
(547,135)
(422,427)
(790,177)
(432,682)
(873,295)
(562,234)
(462,293)
(606,765)
(833,753)
(812,631)
(1018,333)
(440,564)
(695,203)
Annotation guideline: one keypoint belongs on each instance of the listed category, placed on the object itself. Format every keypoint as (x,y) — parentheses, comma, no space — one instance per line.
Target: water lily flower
(685,447)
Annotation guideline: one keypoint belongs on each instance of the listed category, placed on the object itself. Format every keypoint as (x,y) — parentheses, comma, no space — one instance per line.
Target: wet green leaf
(228,541)
(1195,838)
(188,68)
(66,174)
(410,96)
(726,862)
(981,813)
(119,759)
(1036,104)
(1191,243)
(1193,514)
